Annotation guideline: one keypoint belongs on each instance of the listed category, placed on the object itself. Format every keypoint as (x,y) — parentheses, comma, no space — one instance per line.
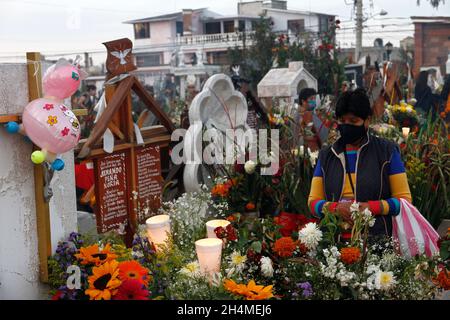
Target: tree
(434,3)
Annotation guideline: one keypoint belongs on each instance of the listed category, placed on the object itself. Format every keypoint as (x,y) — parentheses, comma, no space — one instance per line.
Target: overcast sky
(69,26)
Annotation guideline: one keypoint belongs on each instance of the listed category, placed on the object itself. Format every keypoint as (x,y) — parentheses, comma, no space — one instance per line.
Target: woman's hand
(343,209)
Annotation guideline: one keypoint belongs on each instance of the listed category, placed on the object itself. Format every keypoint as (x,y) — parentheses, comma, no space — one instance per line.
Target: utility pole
(359,27)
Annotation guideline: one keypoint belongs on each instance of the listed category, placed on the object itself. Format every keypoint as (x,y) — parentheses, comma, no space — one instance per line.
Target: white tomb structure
(285,82)
(19,260)
(218,106)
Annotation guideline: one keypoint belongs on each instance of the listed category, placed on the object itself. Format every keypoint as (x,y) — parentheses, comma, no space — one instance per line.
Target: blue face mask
(311,104)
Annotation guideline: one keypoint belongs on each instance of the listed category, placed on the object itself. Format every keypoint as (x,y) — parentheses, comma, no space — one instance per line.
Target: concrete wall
(19,261)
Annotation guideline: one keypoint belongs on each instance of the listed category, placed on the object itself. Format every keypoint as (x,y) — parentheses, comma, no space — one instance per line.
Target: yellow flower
(52,120)
(92,255)
(104,282)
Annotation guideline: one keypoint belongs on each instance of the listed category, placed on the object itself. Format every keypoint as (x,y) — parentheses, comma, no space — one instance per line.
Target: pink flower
(48,106)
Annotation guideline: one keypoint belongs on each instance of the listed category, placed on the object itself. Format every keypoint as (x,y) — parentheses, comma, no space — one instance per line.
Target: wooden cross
(128,182)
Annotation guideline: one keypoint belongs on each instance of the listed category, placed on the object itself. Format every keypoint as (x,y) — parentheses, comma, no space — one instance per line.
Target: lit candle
(158,228)
(213,224)
(405,131)
(209,253)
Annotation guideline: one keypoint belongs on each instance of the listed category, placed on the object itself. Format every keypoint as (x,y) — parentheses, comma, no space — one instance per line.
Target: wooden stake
(42,207)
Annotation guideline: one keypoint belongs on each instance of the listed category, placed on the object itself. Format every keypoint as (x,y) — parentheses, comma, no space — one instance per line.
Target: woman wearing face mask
(359,167)
(307,104)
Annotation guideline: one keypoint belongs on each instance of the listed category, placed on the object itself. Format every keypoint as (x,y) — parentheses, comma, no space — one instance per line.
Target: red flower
(291,222)
(131,290)
(239,168)
(231,233)
(65,131)
(58,295)
(48,106)
(253,256)
(220,232)
(250,206)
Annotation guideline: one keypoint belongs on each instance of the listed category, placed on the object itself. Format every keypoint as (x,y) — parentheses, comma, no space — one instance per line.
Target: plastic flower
(92,255)
(310,235)
(104,281)
(132,290)
(132,270)
(350,255)
(250,167)
(52,120)
(192,269)
(385,280)
(284,247)
(266,267)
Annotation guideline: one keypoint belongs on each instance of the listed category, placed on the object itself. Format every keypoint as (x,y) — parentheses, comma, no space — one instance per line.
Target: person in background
(359,167)
(84,180)
(307,104)
(426,100)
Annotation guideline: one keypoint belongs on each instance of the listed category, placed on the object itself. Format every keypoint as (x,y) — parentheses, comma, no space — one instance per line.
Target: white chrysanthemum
(368,217)
(310,235)
(385,280)
(237,263)
(250,166)
(266,267)
(192,269)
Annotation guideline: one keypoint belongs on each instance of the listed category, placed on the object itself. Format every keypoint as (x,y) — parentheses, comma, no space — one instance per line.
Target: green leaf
(256,246)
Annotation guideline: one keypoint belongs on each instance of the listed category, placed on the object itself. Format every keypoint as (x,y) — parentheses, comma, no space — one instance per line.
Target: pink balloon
(51,125)
(61,81)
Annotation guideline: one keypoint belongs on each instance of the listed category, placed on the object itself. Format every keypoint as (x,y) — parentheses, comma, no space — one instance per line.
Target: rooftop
(430,19)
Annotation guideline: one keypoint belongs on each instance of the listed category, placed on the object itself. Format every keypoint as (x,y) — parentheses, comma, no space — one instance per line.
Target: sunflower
(233,287)
(132,270)
(251,291)
(104,281)
(257,292)
(132,290)
(92,255)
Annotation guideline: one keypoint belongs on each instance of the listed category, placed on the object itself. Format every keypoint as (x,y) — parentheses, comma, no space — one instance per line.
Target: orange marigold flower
(350,255)
(220,190)
(443,279)
(250,206)
(284,247)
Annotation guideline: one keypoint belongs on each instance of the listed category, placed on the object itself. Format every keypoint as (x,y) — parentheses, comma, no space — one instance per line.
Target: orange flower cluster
(284,247)
(223,189)
(350,255)
(251,291)
(443,279)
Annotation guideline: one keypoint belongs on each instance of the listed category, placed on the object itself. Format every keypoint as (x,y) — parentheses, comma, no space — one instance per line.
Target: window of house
(323,23)
(180,28)
(228,26)
(149,59)
(241,25)
(212,27)
(296,26)
(142,30)
(218,58)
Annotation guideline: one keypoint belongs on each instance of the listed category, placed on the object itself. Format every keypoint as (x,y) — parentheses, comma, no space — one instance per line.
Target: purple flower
(307,289)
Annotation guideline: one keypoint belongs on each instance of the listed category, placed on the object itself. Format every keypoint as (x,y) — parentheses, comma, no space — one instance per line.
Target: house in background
(195,42)
(432,42)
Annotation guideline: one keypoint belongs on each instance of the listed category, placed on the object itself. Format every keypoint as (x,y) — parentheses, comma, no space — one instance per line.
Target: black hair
(305,94)
(356,102)
(91,87)
(422,81)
